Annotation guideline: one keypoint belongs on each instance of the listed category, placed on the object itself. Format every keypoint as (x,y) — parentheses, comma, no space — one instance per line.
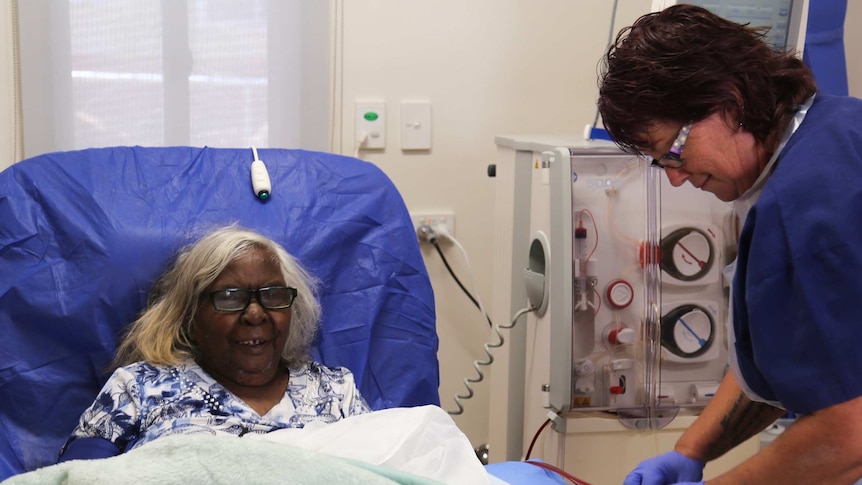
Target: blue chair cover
(824,45)
(84,234)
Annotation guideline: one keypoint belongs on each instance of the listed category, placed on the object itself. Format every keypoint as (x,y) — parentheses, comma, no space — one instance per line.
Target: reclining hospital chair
(84,234)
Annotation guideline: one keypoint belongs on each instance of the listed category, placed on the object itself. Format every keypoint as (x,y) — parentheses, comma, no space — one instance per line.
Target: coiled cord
(432,235)
(468,381)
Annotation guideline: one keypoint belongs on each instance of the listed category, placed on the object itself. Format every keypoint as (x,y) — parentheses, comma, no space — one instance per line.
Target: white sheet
(422,440)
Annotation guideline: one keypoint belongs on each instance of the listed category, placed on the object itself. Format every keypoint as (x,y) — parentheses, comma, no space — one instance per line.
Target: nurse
(714,106)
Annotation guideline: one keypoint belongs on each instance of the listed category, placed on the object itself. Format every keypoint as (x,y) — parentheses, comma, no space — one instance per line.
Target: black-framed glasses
(238,299)
(673,158)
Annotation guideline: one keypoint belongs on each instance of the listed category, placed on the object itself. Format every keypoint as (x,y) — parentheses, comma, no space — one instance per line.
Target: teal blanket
(191,459)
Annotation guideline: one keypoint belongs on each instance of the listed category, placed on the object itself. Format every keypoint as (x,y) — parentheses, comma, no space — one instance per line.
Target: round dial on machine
(687,330)
(687,254)
(620,293)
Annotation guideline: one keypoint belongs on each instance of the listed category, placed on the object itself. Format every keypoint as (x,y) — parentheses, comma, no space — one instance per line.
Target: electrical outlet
(433,219)
(371,121)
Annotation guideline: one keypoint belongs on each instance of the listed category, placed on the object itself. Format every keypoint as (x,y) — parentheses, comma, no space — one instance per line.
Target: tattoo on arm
(743,420)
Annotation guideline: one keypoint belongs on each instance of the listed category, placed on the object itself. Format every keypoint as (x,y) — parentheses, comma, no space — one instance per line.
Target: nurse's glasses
(236,299)
(673,158)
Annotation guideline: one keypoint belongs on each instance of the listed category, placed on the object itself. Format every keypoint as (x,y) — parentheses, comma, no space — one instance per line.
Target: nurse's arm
(729,419)
(821,447)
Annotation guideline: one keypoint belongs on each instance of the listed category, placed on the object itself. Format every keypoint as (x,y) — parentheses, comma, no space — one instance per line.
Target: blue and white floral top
(142,402)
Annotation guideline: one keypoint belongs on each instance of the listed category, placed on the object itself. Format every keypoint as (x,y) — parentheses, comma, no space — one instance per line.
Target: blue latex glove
(666,469)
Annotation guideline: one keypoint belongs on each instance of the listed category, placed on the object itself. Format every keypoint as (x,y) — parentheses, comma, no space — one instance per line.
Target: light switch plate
(415,125)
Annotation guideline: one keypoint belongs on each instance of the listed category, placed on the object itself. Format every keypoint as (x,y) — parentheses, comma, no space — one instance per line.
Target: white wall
(853,46)
(489,67)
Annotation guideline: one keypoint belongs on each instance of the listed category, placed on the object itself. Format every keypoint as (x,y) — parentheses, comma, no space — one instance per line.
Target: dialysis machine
(624,273)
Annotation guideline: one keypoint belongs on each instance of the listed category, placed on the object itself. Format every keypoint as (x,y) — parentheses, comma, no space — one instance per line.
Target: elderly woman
(715,106)
(222,348)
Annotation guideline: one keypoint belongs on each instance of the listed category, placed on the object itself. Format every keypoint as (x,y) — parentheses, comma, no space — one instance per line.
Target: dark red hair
(685,63)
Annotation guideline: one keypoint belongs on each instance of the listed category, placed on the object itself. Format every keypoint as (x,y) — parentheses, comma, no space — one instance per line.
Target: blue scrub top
(798,283)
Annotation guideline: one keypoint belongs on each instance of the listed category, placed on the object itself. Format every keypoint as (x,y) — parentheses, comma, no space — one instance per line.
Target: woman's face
(719,157)
(243,348)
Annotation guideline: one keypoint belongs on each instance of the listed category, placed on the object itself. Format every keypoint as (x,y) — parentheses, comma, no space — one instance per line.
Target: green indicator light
(370,116)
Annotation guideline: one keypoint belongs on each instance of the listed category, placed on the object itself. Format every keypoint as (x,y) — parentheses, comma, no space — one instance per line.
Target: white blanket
(423,441)
(411,446)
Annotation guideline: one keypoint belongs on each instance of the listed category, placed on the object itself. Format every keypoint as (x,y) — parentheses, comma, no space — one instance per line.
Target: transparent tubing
(652,284)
